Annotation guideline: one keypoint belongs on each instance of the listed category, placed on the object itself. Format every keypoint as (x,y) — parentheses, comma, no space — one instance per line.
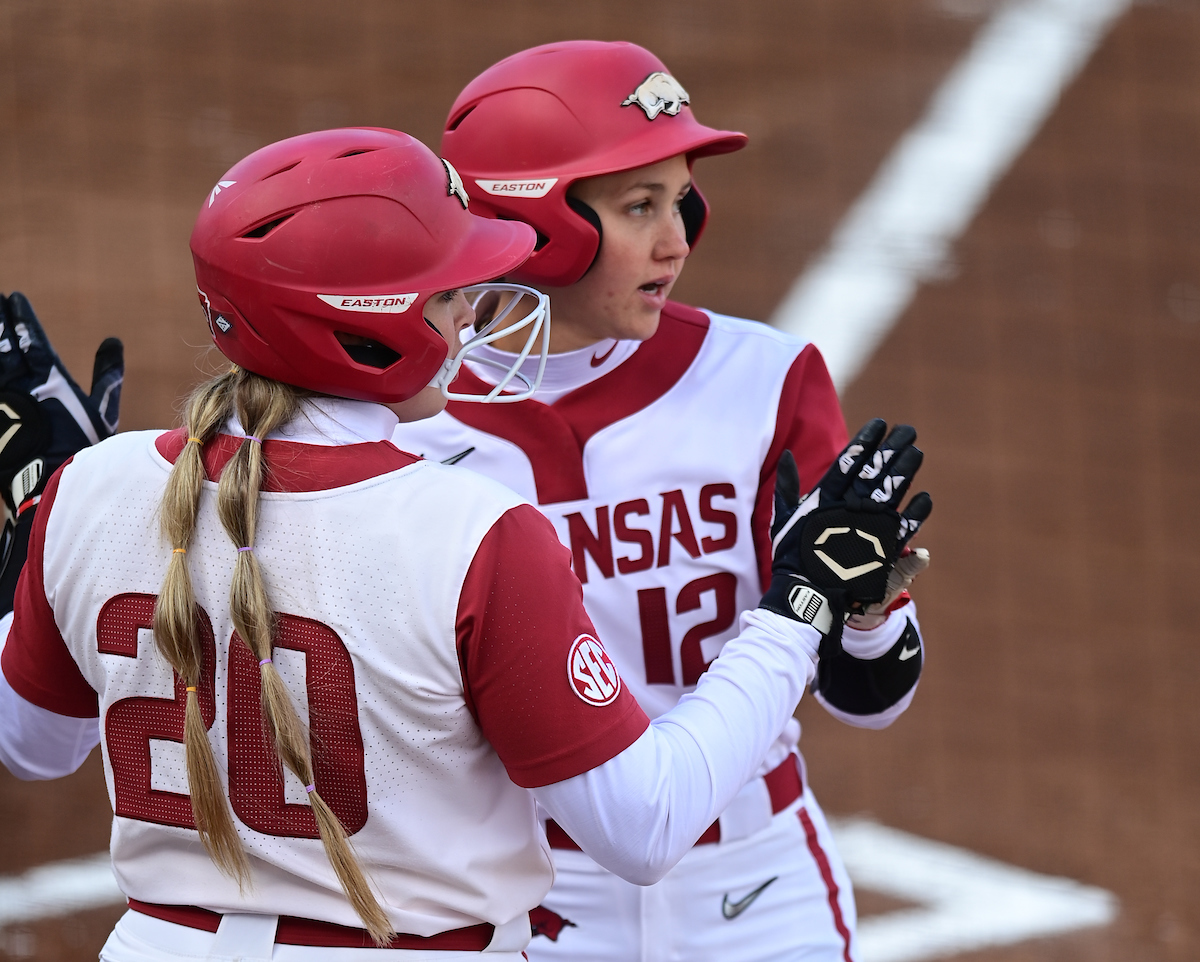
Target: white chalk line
(967,902)
(58,888)
(899,232)
(895,237)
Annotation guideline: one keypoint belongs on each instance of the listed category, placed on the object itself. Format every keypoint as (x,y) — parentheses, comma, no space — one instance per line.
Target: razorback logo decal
(660,93)
(455,186)
(591,672)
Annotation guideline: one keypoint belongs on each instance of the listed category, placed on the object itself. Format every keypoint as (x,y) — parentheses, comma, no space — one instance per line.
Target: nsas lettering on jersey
(632,523)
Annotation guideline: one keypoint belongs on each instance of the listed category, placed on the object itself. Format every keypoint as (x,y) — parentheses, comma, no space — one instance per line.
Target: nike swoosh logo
(455,458)
(731,910)
(907,653)
(597,361)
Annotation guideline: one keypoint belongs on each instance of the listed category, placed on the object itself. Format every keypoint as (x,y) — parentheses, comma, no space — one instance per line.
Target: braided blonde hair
(262,405)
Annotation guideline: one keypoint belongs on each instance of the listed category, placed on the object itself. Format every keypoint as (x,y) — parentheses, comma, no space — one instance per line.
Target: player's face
(641,254)
(449,312)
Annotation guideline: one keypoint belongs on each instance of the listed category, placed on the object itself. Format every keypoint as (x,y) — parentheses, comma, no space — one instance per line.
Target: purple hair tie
(311,788)
(251,437)
(247,548)
(265,661)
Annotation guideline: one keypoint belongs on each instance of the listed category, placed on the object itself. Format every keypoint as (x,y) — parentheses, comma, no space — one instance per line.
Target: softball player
(335,666)
(652,445)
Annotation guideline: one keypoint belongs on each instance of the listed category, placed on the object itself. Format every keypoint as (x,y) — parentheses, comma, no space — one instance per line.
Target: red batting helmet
(525,129)
(342,232)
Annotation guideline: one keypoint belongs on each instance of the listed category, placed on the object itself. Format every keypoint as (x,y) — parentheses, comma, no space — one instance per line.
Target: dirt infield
(1054,373)
(1055,381)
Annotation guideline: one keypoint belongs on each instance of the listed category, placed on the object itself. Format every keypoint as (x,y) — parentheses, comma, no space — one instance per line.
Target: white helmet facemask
(498,317)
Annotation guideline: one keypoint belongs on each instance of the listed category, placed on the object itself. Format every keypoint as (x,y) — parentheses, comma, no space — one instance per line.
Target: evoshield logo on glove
(14,425)
(849,574)
(851,542)
(841,542)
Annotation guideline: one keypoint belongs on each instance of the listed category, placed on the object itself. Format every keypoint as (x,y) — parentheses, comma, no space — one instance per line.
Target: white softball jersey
(658,475)
(431,710)
(656,462)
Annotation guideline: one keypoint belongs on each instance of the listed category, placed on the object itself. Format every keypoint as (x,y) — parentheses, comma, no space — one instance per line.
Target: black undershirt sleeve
(860,686)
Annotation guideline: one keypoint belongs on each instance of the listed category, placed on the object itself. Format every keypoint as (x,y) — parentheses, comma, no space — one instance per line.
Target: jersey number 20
(255,775)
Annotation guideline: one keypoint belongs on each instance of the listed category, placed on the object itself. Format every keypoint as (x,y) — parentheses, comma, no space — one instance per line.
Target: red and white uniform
(655,461)
(431,632)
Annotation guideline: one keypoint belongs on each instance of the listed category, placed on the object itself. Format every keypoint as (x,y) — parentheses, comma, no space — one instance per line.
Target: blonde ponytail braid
(262,406)
(177,632)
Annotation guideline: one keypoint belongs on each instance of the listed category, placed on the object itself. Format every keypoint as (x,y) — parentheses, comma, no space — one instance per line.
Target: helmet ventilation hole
(262,230)
(353,153)
(453,125)
(282,170)
(364,351)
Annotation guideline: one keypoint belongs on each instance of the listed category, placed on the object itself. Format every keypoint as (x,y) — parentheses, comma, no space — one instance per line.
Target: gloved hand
(45,417)
(835,550)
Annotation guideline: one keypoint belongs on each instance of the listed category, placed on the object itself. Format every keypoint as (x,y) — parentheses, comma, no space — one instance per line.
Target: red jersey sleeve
(809,423)
(36,661)
(536,678)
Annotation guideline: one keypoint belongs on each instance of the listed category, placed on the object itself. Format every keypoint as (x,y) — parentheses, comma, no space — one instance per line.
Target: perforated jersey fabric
(422,730)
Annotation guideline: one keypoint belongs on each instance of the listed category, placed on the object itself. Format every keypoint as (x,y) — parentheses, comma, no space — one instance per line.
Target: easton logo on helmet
(660,93)
(592,673)
(518,188)
(221,185)
(370,303)
(455,187)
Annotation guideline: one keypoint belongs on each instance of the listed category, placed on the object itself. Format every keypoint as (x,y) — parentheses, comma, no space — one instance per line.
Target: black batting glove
(45,417)
(833,551)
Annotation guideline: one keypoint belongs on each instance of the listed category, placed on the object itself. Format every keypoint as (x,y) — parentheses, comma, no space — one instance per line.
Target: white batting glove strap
(811,607)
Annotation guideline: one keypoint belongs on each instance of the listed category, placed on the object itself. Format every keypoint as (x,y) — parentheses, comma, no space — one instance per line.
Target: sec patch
(592,673)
